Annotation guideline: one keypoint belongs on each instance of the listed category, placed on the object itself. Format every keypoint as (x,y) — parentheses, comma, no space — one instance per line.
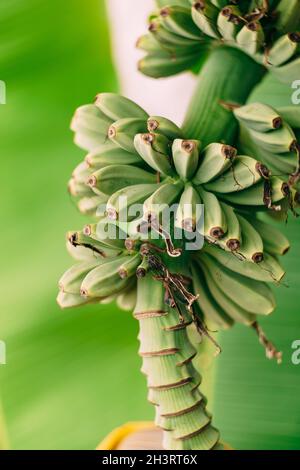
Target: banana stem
(173,382)
(228,77)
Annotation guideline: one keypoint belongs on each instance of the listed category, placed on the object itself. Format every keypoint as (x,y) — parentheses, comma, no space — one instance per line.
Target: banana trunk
(173,382)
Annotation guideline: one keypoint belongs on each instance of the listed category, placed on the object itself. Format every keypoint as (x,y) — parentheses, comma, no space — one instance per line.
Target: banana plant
(236,161)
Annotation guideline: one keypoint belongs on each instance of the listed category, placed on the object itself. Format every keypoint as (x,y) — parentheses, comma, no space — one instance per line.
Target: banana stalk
(171,377)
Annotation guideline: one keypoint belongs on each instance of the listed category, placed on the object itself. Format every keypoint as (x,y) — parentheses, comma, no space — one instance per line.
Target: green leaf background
(72,376)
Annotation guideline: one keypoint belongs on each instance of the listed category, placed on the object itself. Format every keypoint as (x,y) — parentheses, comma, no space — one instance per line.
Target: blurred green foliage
(70,376)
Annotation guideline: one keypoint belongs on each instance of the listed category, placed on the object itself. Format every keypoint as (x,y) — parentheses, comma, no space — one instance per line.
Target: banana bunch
(105,129)
(182,34)
(158,168)
(270,136)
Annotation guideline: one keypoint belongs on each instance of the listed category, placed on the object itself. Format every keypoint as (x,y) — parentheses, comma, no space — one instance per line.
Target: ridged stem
(228,76)
(173,382)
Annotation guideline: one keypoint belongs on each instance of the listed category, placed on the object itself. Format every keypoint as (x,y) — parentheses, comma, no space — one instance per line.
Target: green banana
(251,38)
(287,73)
(243,174)
(283,49)
(215,224)
(111,178)
(90,126)
(229,22)
(287,15)
(186,157)
(256,194)
(72,279)
(120,202)
(214,160)
(189,210)
(117,107)
(168,38)
(79,189)
(111,155)
(291,114)
(252,247)
(178,20)
(129,266)
(258,117)
(162,199)
(123,131)
(233,238)
(237,313)
(105,280)
(205,15)
(99,233)
(66,300)
(278,141)
(251,295)
(90,205)
(269,270)
(95,248)
(155,150)
(214,314)
(148,43)
(165,65)
(165,127)
(127,299)
(275,242)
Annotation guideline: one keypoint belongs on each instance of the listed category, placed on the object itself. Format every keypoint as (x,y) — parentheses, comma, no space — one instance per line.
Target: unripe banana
(90,126)
(256,194)
(268,270)
(214,160)
(167,38)
(129,266)
(189,210)
(148,43)
(127,299)
(205,15)
(66,300)
(94,247)
(90,205)
(79,189)
(275,242)
(161,125)
(166,195)
(104,280)
(186,157)
(209,307)
(71,280)
(123,131)
(251,38)
(99,233)
(120,202)
(181,3)
(278,141)
(219,3)
(178,20)
(155,150)
(291,114)
(118,107)
(215,224)
(252,247)
(234,311)
(165,65)
(258,117)
(111,178)
(251,295)
(111,155)
(284,49)
(233,238)
(287,15)
(229,22)
(243,174)
(287,73)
